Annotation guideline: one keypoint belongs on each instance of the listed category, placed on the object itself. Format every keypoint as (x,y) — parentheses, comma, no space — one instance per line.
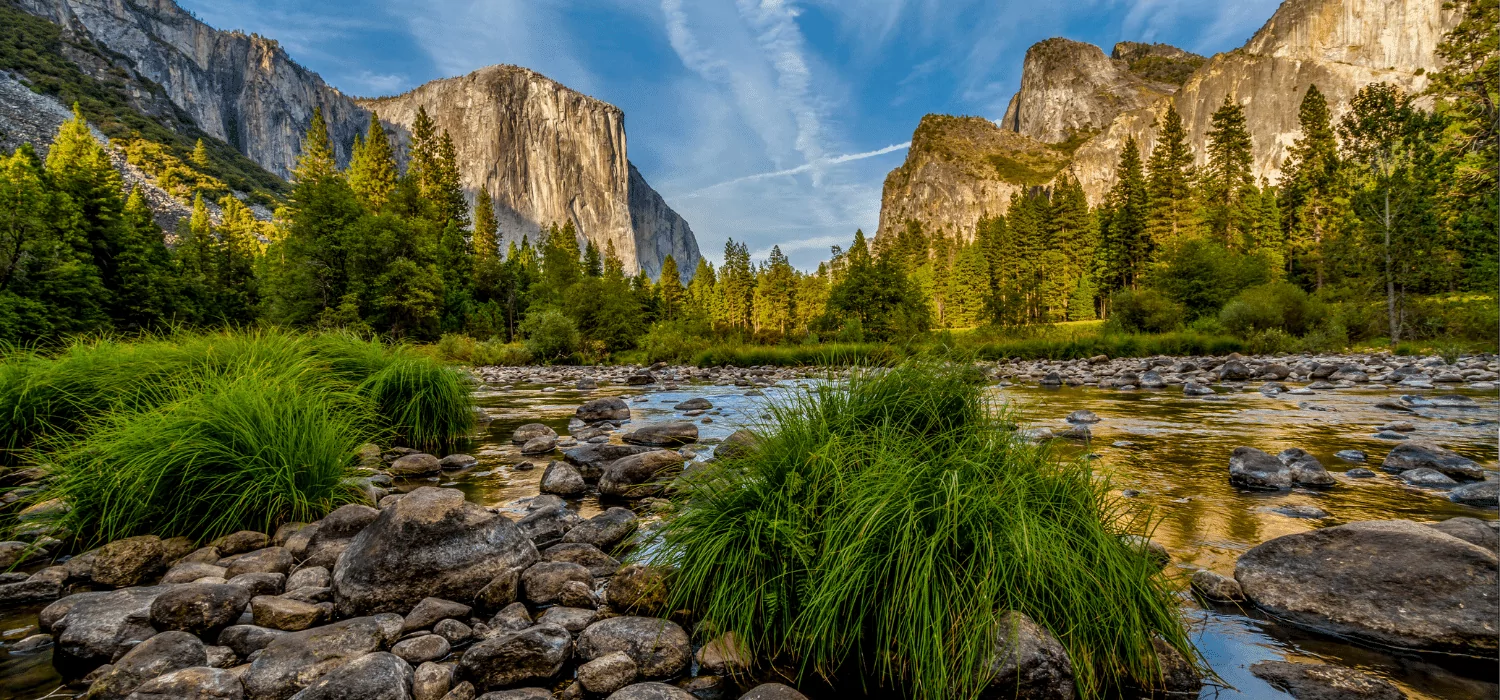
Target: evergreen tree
(701,291)
(812,297)
(194,261)
(1468,93)
(1072,243)
(1123,242)
(670,295)
(1229,179)
(736,288)
(316,161)
(486,228)
(447,193)
(235,287)
(874,293)
(776,295)
(1169,184)
(968,288)
(1311,187)
(593,264)
(78,167)
(1081,304)
(372,168)
(200,155)
(422,163)
(48,282)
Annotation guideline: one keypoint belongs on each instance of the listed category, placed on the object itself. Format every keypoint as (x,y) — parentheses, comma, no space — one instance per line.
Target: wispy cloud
(805,167)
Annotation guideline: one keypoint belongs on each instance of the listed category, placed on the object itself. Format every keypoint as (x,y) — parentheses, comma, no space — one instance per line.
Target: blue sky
(770,121)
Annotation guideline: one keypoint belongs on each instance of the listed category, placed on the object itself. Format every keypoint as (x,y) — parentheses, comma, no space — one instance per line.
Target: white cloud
(376,84)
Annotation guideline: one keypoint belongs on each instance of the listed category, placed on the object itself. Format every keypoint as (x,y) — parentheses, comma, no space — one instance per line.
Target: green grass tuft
(885,522)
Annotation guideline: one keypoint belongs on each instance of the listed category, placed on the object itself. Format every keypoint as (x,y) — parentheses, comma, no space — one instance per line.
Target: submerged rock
(1418,454)
(1389,582)
(1324,682)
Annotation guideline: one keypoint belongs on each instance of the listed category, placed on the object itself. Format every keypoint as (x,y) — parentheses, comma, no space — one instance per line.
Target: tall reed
(884,523)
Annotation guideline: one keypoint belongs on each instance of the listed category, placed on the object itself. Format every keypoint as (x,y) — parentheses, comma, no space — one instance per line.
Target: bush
(464,350)
(882,525)
(674,341)
(1203,275)
(1280,306)
(1144,311)
(551,336)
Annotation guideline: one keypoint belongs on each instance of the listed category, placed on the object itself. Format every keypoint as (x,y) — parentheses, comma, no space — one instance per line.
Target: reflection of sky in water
(1176,458)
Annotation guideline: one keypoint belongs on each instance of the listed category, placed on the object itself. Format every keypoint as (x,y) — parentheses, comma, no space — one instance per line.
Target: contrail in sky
(835,160)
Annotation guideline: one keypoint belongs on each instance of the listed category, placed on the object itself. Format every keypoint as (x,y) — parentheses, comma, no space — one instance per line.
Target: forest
(1381,229)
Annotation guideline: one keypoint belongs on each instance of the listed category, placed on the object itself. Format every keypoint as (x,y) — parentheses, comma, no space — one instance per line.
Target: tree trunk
(1390,280)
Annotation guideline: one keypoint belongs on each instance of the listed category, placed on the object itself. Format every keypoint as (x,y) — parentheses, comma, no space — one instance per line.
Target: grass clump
(884,524)
(202,434)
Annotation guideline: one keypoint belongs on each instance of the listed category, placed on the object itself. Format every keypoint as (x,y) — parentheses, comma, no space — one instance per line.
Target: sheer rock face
(239,87)
(948,181)
(1073,89)
(547,154)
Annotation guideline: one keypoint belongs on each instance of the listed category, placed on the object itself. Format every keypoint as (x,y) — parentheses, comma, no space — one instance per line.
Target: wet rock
(1427,477)
(738,444)
(296,660)
(546,526)
(724,655)
(1253,469)
(542,583)
(590,557)
(607,673)
(535,653)
(415,465)
(659,648)
(638,588)
(578,595)
(1483,493)
(1150,548)
(240,542)
(162,653)
(199,608)
(574,620)
(1359,473)
(1196,389)
(1179,678)
(129,562)
(1029,662)
(609,408)
(1349,373)
(95,627)
(431,543)
(431,610)
(280,613)
(1305,469)
(1324,682)
(531,431)
(195,683)
(696,403)
(539,446)
(221,657)
(1216,587)
(642,475)
(591,459)
(1301,511)
(1389,582)
(1471,530)
(377,676)
(604,530)
(192,571)
(1234,371)
(512,618)
(1350,455)
(454,631)
(463,691)
(651,691)
(31,645)
(29,591)
(428,647)
(245,640)
(455,462)
(1389,435)
(1083,416)
(563,480)
(502,590)
(271,560)
(667,434)
(1419,454)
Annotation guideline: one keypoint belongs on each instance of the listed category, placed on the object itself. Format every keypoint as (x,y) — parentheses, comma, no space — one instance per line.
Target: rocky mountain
(544,152)
(547,154)
(1079,102)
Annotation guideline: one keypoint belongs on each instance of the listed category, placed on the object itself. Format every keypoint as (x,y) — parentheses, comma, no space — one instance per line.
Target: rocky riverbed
(1313,549)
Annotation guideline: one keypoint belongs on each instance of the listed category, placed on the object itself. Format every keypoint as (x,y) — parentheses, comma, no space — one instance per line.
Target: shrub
(882,525)
(1144,311)
(1203,275)
(674,341)
(462,349)
(551,336)
(1281,306)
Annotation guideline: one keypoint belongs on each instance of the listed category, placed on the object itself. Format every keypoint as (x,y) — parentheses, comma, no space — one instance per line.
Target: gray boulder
(377,676)
(591,459)
(696,403)
(96,627)
(642,475)
(604,530)
(199,608)
(431,543)
(531,431)
(245,640)
(240,542)
(659,647)
(738,444)
(1483,493)
(163,653)
(607,673)
(1253,469)
(282,613)
(430,611)
(666,434)
(455,462)
(329,537)
(417,650)
(271,560)
(415,465)
(586,555)
(1217,587)
(1427,477)
(638,588)
(1389,582)
(129,562)
(1471,530)
(542,583)
(1029,662)
(651,691)
(296,660)
(1419,454)
(547,525)
(195,683)
(608,408)
(539,446)
(562,479)
(535,653)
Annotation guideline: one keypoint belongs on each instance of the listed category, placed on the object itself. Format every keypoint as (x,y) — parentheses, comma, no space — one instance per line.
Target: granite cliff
(1079,102)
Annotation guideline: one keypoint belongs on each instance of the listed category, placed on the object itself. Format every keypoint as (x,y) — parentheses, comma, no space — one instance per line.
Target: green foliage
(876,511)
(1145,311)
(464,350)
(551,336)
(675,341)
(1203,275)
(1279,306)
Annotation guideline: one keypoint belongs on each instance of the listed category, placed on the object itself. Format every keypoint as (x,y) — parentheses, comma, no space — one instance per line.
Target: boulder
(512,618)
(281,613)
(240,542)
(455,462)
(659,647)
(271,560)
(1083,415)
(501,591)
(431,543)
(539,446)
(1028,662)
(415,465)
(1305,469)
(377,676)
(572,619)
(417,650)
(666,434)
(535,653)
(604,530)
(607,673)
(724,655)
(296,660)
(188,572)
(1390,582)
(1217,587)
(609,408)
(773,691)
(531,431)
(638,588)
(195,683)
(1179,678)
(651,691)
(1324,682)
(454,631)
(1234,371)
(245,640)
(309,577)
(199,608)
(591,459)
(542,583)
(696,403)
(431,681)
(430,611)
(161,654)
(1419,454)
(738,444)
(260,583)
(1253,469)
(1483,493)
(30,590)
(547,525)
(590,557)
(329,537)
(642,475)
(562,479)
(95,627)
(1427,477)
(129,562)
(1471,530)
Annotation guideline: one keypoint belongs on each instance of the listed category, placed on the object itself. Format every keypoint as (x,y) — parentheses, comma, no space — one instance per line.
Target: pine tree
(317,160)
(194,259)
(776,295)
(1170,184)
(1468,93)
(1123,243)
(593,264)
(486,227)
(238,245)
(670,295)
(1229,179)
(200,155)
(422,163)
(147,284)
(78,167)
(447,192)
(701,290)
(1072,241)
(968,288)
(372,168)
(1311,183)
(736,288)
(1081,303)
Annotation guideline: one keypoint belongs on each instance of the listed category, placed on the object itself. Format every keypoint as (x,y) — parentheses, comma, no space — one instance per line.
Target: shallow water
(1172,450)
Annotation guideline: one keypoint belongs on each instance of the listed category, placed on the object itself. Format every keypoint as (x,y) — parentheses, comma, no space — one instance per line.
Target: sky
(772,122)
